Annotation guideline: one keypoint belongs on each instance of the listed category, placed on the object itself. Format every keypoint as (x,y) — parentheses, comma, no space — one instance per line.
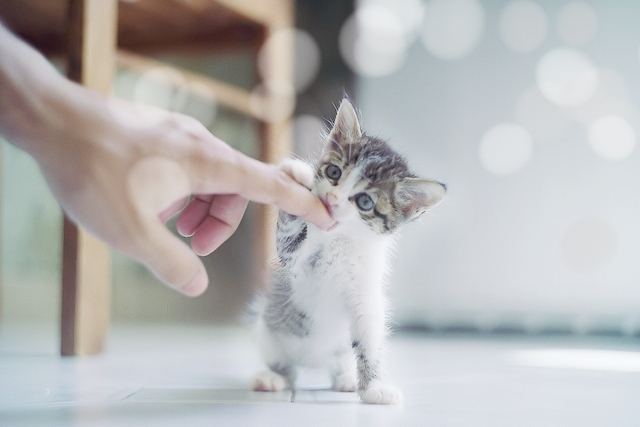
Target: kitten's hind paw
(381,394)
(269,381)
(345,382)
(299,170)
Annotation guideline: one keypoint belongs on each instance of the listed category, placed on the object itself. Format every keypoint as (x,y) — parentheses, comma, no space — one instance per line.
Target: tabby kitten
(326,306)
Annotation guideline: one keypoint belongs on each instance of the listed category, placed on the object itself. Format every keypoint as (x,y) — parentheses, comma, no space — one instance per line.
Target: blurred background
(527,110)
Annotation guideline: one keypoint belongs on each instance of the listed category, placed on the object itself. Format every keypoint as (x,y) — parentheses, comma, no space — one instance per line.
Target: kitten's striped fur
(326,305)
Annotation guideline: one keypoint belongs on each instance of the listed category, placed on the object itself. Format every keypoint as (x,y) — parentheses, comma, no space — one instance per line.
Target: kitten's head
(361,179)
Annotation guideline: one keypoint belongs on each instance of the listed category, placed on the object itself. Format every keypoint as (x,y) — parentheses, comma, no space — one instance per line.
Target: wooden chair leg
(276,135)
(268,215)
(86,264)
(86,292)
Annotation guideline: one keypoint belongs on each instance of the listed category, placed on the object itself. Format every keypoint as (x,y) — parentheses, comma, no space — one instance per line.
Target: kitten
(326,306)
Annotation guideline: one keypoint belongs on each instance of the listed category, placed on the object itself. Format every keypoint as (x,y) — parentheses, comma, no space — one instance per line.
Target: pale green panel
(31,240)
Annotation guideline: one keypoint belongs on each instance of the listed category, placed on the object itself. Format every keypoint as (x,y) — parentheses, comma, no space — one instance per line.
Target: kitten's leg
(344,371)
(277,378)
(281,374)
(368,332)
(299,170)
(269,381)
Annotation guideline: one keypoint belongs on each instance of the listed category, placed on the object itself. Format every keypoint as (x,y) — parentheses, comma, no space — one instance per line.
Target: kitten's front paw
(345,382)
(299,170)
(269,381)
(381,393)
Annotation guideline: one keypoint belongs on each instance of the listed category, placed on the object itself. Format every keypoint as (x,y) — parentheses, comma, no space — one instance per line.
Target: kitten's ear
(415,196)
(346,126)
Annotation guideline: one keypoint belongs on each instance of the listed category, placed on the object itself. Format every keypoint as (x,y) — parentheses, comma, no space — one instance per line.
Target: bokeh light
(168,89)
(505,149)
(162,87)
(588,245)
(577,23)
(612,137)
(523,26)
(201,103)
(307,57)
(272,102)
(453,28)
(373,42)
(410,12)
(566,76)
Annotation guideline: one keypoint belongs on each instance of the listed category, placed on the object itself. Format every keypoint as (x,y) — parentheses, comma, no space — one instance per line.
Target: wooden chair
(94,36)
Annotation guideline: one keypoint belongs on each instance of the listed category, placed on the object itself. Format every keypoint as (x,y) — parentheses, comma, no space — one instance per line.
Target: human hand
(121,170)
(134,167)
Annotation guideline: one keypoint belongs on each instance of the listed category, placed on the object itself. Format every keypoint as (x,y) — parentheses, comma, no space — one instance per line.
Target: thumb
(173,262)
(153,183)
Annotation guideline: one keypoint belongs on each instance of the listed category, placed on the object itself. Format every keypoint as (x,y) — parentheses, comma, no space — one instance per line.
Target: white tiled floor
(192,376)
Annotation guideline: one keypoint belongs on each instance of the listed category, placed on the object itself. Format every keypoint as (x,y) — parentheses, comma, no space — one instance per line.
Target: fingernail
(332,226)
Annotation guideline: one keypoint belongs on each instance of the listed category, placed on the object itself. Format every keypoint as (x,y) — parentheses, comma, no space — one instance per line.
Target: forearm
(34,98)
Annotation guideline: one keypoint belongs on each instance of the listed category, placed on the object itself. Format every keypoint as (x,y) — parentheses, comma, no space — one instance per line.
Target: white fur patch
(346,382)
(381,394)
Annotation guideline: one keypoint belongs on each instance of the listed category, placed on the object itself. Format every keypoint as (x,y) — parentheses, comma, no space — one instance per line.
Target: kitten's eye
(364,202)
(333,172)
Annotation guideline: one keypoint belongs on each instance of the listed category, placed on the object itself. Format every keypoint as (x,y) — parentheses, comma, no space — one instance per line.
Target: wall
(529,112)
(540,229)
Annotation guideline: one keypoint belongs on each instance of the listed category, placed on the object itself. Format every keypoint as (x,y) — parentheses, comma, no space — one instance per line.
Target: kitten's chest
(334,262)
(321,257)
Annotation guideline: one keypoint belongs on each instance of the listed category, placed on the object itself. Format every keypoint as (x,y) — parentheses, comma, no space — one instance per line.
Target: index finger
(216,168)
(264,183)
